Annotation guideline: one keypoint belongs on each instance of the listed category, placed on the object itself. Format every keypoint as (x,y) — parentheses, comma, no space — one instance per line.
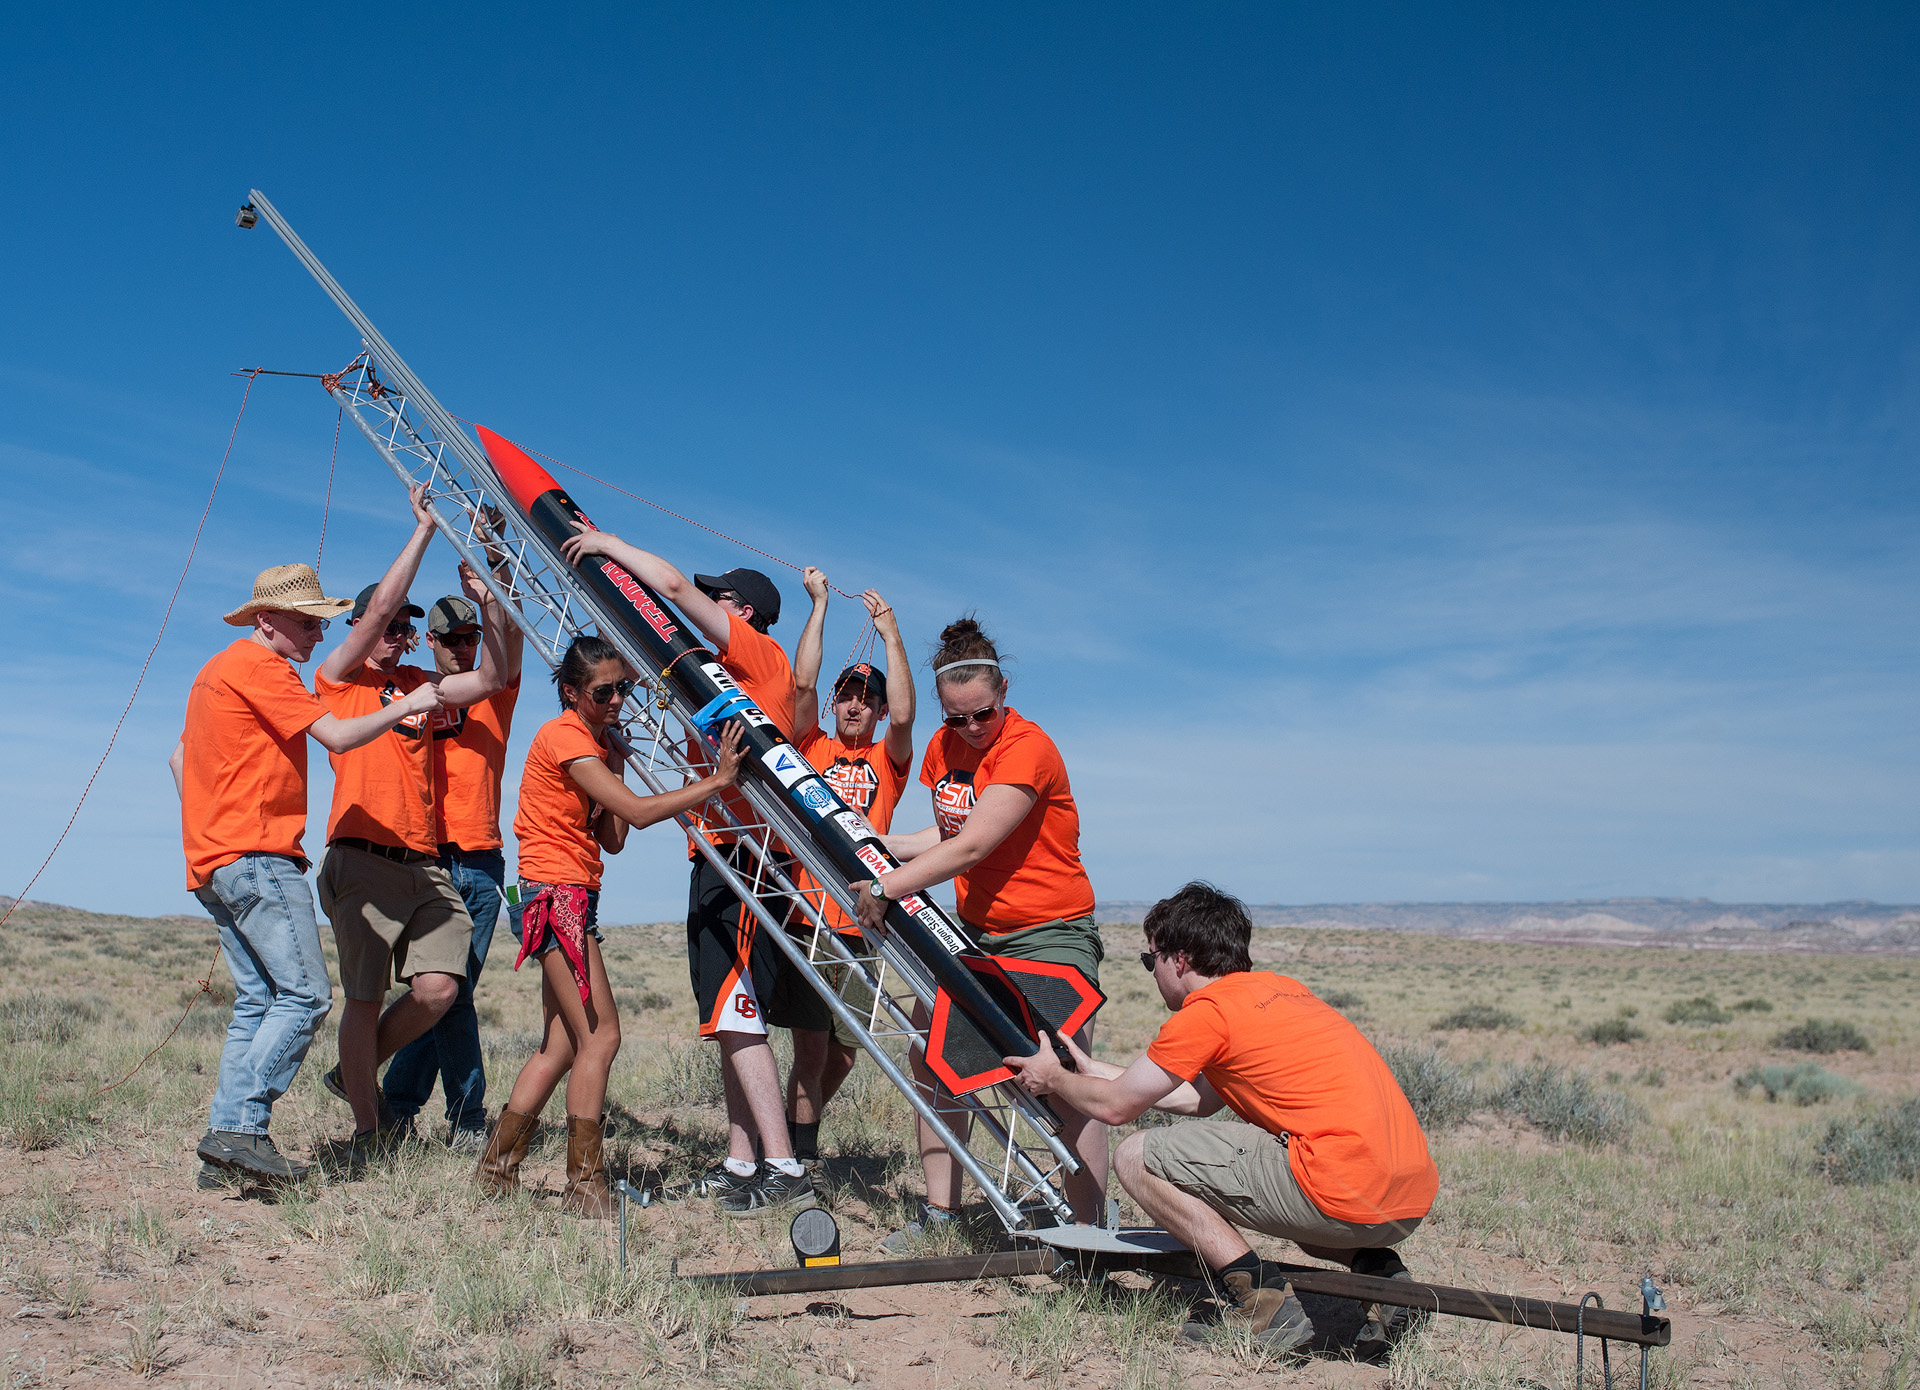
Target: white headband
(977,661)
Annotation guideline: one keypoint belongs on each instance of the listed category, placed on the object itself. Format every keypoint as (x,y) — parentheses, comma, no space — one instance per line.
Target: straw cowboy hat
(288,589)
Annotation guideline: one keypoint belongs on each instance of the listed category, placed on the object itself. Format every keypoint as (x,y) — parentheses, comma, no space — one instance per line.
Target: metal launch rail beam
(1021,1157)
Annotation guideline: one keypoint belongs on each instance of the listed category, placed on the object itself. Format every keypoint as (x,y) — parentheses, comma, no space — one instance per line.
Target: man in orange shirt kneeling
(1329,1155)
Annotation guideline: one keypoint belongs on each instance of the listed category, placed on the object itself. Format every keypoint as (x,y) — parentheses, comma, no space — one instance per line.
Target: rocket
(985,1007)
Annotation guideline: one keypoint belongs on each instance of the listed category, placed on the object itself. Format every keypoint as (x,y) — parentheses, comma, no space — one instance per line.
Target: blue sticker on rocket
(815,796)
(784,761)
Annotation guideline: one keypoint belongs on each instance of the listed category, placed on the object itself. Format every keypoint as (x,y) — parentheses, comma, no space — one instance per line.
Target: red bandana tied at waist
(560,909)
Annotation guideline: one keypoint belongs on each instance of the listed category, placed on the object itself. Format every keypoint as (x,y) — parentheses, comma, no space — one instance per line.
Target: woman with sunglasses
(1007,832)
(573,805)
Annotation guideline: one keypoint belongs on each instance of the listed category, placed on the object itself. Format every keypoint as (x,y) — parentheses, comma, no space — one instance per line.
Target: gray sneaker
(251,1155)
(467,1140)
(930,1219)
(722,1181)
(776,1192)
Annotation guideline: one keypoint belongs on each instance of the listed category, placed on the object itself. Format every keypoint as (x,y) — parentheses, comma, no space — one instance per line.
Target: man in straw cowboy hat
(395,911)
(241,770)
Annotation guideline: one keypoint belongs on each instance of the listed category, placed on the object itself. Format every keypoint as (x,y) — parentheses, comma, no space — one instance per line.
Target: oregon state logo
(414,725)
(856,782)
(953,801)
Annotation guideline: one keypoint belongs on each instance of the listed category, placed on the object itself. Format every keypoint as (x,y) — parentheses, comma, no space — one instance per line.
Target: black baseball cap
(412,610)
(861,673)
(754,588)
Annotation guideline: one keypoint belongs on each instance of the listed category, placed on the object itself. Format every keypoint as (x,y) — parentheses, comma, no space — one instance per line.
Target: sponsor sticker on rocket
(718,675)
(784,762)
(642,601)
(855,825)
(872,858)
(813,795)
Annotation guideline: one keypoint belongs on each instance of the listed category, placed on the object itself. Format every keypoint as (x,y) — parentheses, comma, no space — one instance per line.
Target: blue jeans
(451,1048)
(271,942)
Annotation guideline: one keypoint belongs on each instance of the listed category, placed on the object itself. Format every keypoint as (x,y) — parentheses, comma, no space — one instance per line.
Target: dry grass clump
(45,1018)
(1883,1146)
(1823,1035)
(1701,1009)
(1565,1104)
(1613,1030)
(1441,1092)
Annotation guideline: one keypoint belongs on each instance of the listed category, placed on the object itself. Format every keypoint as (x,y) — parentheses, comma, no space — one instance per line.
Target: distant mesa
(1683,922)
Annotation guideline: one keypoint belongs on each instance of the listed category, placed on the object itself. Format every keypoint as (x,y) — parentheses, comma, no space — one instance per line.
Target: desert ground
(1598,1113)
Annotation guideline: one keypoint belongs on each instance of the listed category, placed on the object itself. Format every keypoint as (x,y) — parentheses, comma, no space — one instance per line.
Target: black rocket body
(974,983)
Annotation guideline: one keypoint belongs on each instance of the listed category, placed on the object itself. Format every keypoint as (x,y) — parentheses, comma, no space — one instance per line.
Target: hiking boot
(722,1181)
(499,1168)
(1385,1323)
(334,1084)
(250,1155)
(775,1192)
(376,1144)
(930,1219)
(1271,1317)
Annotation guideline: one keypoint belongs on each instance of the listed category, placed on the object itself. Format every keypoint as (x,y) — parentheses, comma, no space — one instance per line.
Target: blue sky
(1419,453)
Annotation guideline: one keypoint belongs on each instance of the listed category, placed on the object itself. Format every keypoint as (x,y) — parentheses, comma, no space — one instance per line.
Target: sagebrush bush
(1566,1104)
(1880,1147)
(1344,1000)
(1479,1017)
(1441,1093)
(1613,1030)
(1753,1006)
(1702,1008)
(1822,1035)
(1807,1083)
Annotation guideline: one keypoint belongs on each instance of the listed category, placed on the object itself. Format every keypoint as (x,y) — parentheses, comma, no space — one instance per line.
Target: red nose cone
(524,478)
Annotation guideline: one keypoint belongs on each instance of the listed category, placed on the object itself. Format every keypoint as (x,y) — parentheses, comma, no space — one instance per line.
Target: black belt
(393,852)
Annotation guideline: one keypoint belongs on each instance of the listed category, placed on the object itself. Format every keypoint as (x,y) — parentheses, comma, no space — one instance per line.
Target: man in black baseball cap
(407,607)
(750,590)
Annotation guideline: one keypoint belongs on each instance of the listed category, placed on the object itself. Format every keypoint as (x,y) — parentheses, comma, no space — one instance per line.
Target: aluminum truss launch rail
(1020,1158)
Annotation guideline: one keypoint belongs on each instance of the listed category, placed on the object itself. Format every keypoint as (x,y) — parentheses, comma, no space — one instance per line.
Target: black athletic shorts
(741,981)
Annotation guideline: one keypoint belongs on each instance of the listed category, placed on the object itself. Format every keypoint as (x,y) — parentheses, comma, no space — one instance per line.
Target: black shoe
(251,1155)
(334,1084)
(775,1192)
(722,1181)
(337,1088)
(212,1179)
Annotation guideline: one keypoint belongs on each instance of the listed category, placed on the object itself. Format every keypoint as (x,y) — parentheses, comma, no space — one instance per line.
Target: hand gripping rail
(544,597)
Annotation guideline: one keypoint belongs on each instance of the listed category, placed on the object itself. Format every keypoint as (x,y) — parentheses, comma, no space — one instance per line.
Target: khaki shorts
(850,983)
(1242,1172)
(391,921)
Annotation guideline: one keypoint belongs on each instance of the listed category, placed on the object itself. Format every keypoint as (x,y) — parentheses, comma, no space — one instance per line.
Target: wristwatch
(877,891)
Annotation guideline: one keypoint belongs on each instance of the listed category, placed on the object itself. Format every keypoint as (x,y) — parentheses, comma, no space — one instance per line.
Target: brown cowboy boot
(587,1192)
(499,1167)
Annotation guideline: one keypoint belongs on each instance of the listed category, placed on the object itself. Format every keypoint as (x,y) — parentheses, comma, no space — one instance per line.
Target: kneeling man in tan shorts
(1328,1154)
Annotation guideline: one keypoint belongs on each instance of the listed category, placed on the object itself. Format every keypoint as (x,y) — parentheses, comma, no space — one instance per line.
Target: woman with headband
(1007,832)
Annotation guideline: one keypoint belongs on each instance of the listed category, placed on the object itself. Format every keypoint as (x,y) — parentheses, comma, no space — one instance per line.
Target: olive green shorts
(391,921)
(1073,941)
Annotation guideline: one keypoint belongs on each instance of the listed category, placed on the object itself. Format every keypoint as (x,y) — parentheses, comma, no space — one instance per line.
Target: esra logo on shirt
(855,780)
(953,801)
(414,725)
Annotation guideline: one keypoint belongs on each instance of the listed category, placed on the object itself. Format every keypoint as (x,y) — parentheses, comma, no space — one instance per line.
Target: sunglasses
(602,694)
(399,627)
(305,624)
(1147,959)
(979,716)
(460,639)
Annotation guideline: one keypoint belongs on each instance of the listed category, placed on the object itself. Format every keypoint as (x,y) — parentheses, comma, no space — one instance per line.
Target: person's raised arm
(490,674)
(368,629)
(658,575)
(338,735)
(1095,1090)
(491,527)
(995,813)
(598,781)
(900,707)
(806,655)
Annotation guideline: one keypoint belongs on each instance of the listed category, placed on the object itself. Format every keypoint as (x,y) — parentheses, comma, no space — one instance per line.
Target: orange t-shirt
(759,666)
(469,757)
(382,791)
(555,821)
(1291,1064)
(1034,875)
(243,786)
(866,780)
